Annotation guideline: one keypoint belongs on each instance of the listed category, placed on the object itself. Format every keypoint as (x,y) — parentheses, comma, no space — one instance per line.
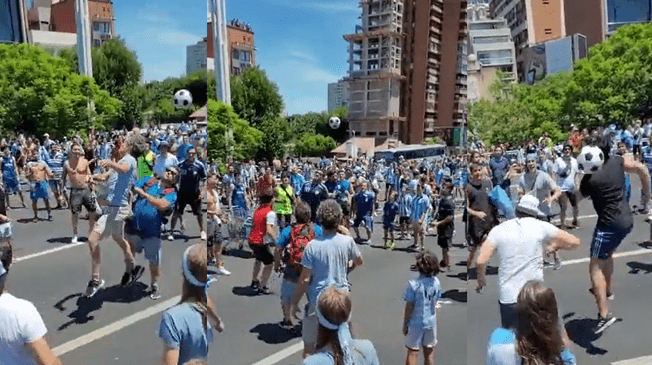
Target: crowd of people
(135,186)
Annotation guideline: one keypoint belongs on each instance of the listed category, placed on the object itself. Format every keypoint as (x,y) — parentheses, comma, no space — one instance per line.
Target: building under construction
(407,69)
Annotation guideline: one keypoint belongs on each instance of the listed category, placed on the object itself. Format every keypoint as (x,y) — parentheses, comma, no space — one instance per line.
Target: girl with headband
(184,328)
(334,343)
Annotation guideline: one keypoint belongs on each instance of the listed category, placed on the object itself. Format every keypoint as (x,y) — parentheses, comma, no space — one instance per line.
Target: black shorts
(404,220)
(262,253)
(636,149)
(444,242)
(193,199)
(475,241)
(572,198)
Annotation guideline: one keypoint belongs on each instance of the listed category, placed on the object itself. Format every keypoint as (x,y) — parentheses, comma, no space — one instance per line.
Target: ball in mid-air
(334,122)
(590,159)
(182,99)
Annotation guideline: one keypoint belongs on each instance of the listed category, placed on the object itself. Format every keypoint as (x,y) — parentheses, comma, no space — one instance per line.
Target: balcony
(499,61)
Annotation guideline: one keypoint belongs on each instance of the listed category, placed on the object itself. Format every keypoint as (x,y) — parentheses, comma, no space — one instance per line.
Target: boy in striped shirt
(55,162)
(420,210)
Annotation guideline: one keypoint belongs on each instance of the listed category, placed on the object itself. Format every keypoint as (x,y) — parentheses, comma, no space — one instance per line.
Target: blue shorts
(368,220)
(388,225)
(39,190)
(11,186)
(151,246)
(287,291)
(605,241)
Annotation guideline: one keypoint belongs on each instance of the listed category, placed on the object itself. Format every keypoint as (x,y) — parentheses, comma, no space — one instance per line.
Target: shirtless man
(38,173)
(81,192)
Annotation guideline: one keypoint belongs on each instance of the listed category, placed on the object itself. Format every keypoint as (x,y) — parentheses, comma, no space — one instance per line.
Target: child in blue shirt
(420,319)
(405,210)
(390,210)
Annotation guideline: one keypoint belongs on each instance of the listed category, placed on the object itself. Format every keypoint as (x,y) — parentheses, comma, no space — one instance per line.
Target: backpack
(300,235)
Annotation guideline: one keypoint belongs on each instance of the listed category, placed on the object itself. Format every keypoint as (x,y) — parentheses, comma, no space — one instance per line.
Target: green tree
(40,93)
(276,133)
(254,97)
(314,145)
(246,139)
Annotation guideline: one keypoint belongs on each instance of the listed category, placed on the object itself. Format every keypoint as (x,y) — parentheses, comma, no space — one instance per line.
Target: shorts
(444,242)
(151,246)
(214,233)
(262,253)
(605,241)
(404,220)
(508,317)
(416,224)
(310,325)
(55,186)
(368,221)
(636,149)
(194,200)
(39,190)
(388,225)
(572,198)
(85,197)
(475,242)
(11,186)
(418,337)
(112,222)
(288,288)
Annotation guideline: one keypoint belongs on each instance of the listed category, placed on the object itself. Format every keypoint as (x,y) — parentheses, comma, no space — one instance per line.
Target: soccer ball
(334,122)
(590,159)
(182,99)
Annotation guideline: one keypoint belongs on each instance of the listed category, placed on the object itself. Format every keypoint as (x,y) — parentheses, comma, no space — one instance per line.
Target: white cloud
(303,55)
(314,74)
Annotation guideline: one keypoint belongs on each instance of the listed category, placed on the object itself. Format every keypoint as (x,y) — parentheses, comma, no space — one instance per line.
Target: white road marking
(114,327)
(641,251)
(645,360)
(277,357)
(46,252)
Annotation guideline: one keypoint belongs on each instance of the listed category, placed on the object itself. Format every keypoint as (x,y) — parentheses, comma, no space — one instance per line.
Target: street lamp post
(220,53)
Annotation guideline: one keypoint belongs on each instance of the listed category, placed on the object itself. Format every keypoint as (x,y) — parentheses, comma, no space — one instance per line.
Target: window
(245,56)
(236,71)
(548,31)
(96,42)
(236,54)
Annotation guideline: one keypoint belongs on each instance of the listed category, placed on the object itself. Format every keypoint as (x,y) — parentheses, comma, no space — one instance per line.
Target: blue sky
(159,31)
(299,44)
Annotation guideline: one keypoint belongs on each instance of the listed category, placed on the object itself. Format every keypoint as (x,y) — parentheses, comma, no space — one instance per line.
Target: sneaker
(264,290)
(648,219)
(126,277)
(557,264)
(392,246)
(136,273)
(93,287)
(182,228)
(203,236)
(74,239)
(287,325)
(603,323)
(170,238)
(255,284)
(212,263)
(222,271)
(155,292)
(610,295)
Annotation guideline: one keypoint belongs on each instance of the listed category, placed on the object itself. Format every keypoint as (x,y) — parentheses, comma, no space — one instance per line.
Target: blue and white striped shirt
(55,163)
(405,205)
(420,206)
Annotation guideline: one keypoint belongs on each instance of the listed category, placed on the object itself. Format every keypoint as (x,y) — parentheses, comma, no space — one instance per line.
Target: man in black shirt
(480,213)
(314,193)
(445,224)
(615,221)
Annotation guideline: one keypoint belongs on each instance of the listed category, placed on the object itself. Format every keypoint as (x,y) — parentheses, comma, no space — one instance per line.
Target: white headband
(343,334)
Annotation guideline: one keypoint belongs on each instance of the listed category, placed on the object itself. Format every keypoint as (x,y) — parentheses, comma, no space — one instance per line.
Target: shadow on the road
(646,244)
(636,267)
(244,291)
(85,306)
(65,240)
(491,270)
(26,220)
(238,253)
(455,295)
(459,275)
(581,332)
(273,333)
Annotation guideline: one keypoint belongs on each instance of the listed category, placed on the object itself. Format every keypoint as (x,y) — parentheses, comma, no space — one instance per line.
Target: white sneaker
(203,236)
(222,271)
(74,239)
(170,238)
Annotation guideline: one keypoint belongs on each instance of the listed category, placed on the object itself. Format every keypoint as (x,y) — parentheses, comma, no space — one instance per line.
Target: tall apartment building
(241,48)
(59,16)
(196,59)
(531,22)
(374,78)
(433,96)
(338,94)
(490,49)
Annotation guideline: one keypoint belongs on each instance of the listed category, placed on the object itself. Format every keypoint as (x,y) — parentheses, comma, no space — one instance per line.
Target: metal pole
(220,54)
(83,38)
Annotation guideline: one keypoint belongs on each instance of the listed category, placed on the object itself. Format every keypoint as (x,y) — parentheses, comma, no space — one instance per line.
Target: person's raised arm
(486,250)
(563,241)
(632,166)
(42,353)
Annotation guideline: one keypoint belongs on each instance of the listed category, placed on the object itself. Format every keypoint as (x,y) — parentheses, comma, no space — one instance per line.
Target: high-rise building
(374,76)
(531,22)
(241,48)
(196,57)
(338,95)
(490,49)
(433,96)
(13,22)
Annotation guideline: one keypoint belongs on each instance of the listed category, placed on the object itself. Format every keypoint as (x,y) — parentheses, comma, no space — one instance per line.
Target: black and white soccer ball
(590,159)
(334,122)
(182,99)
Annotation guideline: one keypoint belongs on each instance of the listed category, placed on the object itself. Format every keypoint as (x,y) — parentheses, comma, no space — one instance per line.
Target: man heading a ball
(615,221)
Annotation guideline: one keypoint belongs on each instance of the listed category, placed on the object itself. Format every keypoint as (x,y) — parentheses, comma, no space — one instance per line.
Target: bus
(411,152)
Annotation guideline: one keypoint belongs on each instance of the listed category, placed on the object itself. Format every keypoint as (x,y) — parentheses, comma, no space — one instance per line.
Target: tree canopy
(254,97)
(612,84)
(245,139)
